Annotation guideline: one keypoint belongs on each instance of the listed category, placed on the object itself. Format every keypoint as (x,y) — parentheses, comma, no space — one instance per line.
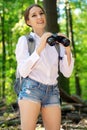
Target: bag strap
(31,43)
(57,47)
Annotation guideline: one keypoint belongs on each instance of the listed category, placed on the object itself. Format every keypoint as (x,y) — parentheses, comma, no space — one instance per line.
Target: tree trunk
(70,33)
(51,10)
(50,7)
(3,56)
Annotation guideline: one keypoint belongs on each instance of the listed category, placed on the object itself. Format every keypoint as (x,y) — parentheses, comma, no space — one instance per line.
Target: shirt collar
(35,35)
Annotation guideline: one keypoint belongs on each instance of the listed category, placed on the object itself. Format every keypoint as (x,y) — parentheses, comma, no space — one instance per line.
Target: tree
(53,26)
(71,35)
(50,7)
(3,51)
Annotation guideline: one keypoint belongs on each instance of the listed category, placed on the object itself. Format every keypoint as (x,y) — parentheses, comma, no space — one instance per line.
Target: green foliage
(12,27)
(79,20)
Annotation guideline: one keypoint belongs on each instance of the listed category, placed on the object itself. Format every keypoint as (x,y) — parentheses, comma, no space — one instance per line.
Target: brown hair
(26,14)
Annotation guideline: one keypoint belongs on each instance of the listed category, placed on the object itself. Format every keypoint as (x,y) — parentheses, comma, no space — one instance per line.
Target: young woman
(40,71)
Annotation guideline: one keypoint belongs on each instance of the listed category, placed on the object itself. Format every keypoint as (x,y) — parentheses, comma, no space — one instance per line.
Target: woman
(40,71)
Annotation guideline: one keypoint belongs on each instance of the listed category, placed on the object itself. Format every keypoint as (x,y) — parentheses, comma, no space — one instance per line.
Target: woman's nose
(39,16)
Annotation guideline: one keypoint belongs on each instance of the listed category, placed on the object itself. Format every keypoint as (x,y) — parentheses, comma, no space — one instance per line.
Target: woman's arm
(25,61)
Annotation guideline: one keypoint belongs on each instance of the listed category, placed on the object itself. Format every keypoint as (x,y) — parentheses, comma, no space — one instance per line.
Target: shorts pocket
(29,84)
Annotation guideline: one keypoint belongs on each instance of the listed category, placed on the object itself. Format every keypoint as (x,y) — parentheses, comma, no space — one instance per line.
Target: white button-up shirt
(43,68)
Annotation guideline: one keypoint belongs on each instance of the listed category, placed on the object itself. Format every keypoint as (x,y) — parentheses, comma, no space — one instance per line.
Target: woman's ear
(28,22)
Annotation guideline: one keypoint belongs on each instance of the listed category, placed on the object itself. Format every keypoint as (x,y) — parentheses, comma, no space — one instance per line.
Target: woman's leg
(51,117)
(29,111)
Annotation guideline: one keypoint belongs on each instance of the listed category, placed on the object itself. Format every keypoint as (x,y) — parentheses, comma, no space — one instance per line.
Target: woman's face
(37,18)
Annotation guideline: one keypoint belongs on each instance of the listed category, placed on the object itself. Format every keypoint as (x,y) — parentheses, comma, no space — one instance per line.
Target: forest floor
(74,117)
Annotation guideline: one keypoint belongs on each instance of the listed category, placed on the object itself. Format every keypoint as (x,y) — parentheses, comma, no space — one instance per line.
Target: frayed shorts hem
(38,101)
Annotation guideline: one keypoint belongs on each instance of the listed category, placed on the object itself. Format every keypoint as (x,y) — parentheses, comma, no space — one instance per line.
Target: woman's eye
(41,13)
(34,15)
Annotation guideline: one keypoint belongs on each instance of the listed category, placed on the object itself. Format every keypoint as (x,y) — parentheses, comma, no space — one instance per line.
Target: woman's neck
(40,32)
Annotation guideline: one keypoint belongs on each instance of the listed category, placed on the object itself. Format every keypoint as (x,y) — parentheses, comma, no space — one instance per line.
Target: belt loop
(47,89)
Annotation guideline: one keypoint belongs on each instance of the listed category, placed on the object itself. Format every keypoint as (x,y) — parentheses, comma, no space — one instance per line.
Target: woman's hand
(43,42)
(63,40)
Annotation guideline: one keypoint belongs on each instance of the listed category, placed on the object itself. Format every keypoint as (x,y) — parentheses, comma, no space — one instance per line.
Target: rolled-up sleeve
(24,60)
(66,69)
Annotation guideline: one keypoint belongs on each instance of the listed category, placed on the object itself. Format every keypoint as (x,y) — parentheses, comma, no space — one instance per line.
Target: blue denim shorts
(38,92)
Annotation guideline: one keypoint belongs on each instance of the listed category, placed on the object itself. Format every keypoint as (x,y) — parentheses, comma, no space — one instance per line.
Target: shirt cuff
(65,68)
(65,62)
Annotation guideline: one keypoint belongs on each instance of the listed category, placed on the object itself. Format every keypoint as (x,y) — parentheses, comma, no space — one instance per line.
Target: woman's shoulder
(22,42)
(22,38)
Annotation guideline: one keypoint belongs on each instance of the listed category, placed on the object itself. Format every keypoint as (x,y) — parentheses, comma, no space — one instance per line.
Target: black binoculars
(54,39)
